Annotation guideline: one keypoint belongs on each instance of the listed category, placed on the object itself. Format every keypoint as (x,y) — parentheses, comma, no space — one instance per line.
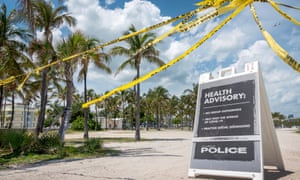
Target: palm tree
(99,59)
(47,18)
(160,96)
(67,48)
(26,11)
(13,60)
(172,108)
(148,104)
(135,59)
(192,96)
(130,107)
(122,96)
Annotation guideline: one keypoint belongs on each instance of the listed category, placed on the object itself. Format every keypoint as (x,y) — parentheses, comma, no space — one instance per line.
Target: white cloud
(109,2)
(282,83)
(108,24)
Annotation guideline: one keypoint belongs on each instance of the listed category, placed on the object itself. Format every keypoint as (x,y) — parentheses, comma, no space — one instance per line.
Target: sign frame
(219,151)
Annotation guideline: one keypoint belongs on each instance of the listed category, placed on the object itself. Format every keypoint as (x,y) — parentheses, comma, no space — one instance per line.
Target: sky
(239,42)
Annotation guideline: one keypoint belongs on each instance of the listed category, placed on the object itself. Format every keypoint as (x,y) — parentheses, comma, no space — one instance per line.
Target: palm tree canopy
(13,60)
(135,43)
(47,18)
(9,32)
(99,59)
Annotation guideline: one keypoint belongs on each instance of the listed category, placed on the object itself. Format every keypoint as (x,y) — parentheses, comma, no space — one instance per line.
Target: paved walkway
(165,157)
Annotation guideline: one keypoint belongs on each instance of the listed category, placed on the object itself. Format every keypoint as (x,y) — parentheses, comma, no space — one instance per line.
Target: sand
(166,156)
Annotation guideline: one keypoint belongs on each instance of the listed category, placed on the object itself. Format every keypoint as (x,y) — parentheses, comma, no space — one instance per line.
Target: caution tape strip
(182,26)
(212,3)
(172,62)
(282,53)
(288,6)
(274,5)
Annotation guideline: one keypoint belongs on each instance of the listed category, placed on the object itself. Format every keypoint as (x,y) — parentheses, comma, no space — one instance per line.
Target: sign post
(233,126)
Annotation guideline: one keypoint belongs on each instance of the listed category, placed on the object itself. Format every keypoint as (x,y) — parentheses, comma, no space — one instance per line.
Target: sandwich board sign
(234,134)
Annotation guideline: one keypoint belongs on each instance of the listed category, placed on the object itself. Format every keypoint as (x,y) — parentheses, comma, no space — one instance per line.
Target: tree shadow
(144,152)
(165,139)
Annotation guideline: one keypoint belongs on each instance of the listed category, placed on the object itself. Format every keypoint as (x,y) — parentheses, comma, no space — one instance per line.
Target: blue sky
(239,42)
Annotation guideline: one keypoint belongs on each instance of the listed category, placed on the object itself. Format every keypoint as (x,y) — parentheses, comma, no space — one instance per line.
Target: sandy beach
(166,156)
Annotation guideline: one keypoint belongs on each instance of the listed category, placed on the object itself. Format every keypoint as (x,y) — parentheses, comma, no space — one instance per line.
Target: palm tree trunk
(24,115)
(44,92)
(27,120)
(1,106)
(137,120)
(68,109)
(157,118)
(96,117)
(86,111)
(123,114)
(12,110)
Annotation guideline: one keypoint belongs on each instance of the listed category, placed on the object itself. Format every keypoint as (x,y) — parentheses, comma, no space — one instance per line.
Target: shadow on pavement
(275,174)
(144,152)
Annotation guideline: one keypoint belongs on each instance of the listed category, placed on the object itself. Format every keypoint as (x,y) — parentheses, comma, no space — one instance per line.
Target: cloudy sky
(239,42)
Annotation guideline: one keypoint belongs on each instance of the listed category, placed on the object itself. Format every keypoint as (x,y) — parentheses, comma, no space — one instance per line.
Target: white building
(111,123)
(24,117)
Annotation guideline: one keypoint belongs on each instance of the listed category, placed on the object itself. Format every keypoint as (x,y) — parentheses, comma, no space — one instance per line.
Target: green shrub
(78,124)
(93,145)
(28,142)
(12,140)
(20,141)
(47,143)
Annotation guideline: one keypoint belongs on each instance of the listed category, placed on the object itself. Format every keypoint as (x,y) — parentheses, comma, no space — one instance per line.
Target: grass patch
(13,160)
(73,149)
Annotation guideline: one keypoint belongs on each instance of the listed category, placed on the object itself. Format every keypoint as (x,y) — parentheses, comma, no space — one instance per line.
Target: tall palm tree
(11,49)
(67,48)
(151,54)
(46,19)
(100,60)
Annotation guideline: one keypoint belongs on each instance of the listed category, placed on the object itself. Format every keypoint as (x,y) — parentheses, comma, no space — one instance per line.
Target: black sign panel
(227,110)
(231,151)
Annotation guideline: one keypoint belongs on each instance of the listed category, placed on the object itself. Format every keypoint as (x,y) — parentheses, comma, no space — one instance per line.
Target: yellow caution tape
(180,27)
(274,5)
(288,6)
(172,62)
(283,54)
(23,82)
(8,80)
(212,3)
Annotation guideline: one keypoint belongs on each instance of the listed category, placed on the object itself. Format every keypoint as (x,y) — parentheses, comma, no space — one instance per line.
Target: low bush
(93,145)
(12,140)
(78,124)
(47,143)
(21,141)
